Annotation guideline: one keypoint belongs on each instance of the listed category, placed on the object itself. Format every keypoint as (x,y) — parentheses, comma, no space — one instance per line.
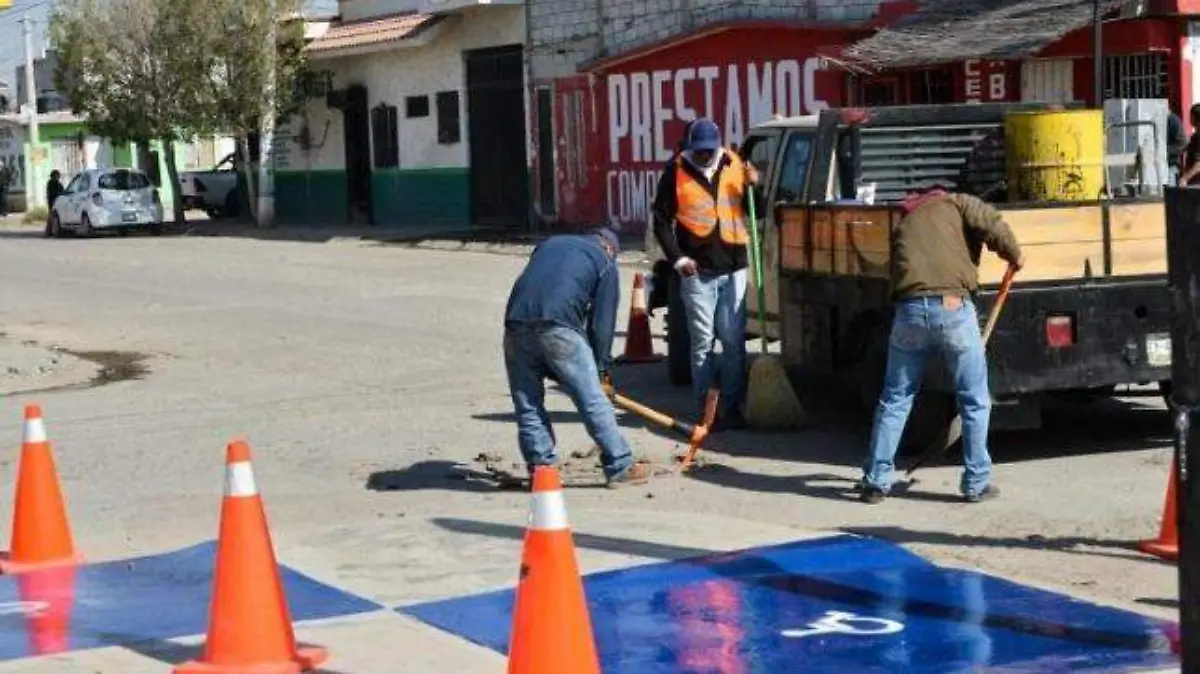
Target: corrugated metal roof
(372,31)
(949,31)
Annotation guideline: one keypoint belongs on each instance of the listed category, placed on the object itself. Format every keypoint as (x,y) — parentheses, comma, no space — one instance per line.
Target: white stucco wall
(391,76)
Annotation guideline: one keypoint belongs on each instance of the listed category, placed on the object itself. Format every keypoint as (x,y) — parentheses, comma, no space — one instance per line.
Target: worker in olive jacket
(935,272)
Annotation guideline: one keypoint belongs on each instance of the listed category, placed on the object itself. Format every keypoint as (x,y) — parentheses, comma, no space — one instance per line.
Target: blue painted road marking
(137,601)
(837,604)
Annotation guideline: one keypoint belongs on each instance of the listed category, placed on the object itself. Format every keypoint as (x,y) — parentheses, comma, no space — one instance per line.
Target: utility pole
(33,195)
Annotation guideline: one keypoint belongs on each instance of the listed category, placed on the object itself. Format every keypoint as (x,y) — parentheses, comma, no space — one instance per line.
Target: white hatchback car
(111,199)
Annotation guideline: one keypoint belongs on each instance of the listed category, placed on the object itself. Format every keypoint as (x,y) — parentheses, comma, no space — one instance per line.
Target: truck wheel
(679,361)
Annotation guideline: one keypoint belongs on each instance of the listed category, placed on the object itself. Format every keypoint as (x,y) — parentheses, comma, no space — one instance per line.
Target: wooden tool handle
(657,417)
(1001,297)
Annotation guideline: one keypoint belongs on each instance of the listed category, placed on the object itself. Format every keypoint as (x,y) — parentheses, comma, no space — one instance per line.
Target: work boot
(638,473)
(871,495)
(989,493)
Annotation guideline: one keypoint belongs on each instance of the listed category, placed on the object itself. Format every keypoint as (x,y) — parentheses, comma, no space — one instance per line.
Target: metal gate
(496,137)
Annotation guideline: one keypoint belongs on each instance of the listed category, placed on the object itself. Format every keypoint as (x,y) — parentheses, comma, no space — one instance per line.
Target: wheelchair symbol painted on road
(850,624)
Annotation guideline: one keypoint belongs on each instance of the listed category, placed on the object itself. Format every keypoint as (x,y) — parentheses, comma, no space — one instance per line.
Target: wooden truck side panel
(835,279)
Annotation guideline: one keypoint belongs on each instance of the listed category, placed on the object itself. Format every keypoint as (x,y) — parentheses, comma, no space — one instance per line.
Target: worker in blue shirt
(559,325)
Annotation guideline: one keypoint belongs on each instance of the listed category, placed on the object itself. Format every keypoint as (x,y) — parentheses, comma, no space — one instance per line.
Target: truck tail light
(1060,331)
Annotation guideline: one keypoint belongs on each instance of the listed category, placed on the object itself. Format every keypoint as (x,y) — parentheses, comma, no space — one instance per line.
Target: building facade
(416,119)
(612,82)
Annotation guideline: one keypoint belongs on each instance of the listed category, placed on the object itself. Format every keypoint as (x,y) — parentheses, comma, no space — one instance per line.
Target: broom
(770,401)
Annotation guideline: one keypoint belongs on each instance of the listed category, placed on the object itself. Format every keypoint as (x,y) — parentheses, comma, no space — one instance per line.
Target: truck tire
(933,420)
(679,362)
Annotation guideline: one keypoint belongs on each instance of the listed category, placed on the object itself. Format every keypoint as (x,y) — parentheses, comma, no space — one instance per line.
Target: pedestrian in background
(700,223)
(1191,153)
(935,261)
(54,188)
(559,325)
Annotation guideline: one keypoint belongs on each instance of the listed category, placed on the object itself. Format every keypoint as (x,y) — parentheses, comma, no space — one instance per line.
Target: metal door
(496,136)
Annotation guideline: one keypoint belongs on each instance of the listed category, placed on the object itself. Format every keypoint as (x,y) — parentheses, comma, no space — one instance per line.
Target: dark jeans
(531,354)
(3,201)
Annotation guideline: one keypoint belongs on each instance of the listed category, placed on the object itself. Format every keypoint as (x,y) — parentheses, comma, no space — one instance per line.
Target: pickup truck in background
(213,191)
(1089,313)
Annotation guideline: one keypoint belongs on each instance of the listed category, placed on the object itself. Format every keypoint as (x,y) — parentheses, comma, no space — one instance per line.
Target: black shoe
(989,493)
(872,495)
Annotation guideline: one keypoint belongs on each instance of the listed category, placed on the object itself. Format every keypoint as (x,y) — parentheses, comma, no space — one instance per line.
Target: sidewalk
(497,241)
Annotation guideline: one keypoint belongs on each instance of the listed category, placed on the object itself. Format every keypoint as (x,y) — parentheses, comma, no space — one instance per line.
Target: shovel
(993,316)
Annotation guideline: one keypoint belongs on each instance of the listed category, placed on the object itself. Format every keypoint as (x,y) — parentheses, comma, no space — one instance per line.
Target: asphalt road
(361,374)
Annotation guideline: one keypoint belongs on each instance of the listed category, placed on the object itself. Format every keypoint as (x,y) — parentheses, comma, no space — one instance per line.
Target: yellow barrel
(1054,155)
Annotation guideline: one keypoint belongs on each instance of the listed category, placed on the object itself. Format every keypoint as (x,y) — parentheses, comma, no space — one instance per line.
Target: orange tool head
(701,431)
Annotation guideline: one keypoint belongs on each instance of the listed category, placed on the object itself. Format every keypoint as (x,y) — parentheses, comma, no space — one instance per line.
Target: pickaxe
(696,434)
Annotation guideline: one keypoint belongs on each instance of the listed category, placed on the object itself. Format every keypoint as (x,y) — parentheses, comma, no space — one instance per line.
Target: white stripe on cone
(35,430)
(239,480)
(549,512)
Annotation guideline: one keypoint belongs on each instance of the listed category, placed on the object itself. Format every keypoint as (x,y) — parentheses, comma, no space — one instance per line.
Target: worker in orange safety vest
(700,222)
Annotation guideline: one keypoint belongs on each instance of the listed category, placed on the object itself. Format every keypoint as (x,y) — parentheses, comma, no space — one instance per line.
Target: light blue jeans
(716,311)
(537,351)
(923,327)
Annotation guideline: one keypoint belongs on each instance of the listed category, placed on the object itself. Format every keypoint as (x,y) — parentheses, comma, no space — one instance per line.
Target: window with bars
(1136,76)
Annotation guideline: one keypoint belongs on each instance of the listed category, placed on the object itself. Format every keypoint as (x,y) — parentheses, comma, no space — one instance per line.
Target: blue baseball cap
(704,135)
(610,234)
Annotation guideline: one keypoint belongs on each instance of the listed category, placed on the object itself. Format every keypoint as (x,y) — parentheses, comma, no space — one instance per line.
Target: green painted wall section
(311,198)
(419,198)
(434,198)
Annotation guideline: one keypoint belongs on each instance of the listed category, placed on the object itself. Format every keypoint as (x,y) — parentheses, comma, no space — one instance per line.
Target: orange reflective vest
(697,211)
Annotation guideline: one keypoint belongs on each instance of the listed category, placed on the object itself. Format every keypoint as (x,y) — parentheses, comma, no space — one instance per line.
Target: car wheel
(85,226)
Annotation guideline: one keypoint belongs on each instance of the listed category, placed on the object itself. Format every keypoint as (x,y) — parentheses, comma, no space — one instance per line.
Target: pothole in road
(112,367)
(115,366)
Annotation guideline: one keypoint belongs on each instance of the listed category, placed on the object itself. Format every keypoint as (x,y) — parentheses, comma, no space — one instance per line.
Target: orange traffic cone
(249,629)
(1166,546)
(639,344)
(41,536)
(552,629)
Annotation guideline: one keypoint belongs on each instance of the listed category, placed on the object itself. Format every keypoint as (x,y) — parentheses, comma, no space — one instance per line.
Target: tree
(145,70)
(135,70)
(251,84)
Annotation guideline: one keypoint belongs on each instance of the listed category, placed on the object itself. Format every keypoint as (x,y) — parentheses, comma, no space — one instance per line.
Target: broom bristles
(770,402)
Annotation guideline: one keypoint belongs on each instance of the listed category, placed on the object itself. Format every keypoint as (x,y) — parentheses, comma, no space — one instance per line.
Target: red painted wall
(633,111)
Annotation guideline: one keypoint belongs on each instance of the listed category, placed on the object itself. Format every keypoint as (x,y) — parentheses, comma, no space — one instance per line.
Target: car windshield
(124,181)
(793,175)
